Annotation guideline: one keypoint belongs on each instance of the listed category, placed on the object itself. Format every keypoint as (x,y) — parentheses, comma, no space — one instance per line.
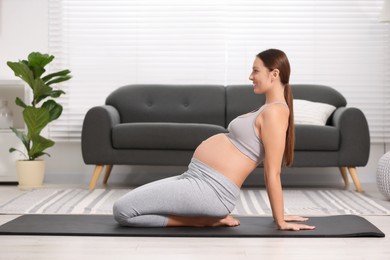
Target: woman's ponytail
(290,134)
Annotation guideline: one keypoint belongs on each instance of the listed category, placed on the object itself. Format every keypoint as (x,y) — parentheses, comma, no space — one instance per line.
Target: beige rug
(252,202)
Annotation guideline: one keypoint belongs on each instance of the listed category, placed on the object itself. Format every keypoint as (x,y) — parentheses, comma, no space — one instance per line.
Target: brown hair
(277,59)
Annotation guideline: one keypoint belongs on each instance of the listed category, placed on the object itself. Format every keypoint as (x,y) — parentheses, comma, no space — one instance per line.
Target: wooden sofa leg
(95,176)
(343,171)
(355,178)
(107,174)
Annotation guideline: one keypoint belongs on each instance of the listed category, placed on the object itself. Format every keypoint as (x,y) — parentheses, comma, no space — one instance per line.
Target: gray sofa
(163,124)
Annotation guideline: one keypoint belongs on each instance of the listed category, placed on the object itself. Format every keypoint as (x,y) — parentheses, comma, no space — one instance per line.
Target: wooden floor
(55,248)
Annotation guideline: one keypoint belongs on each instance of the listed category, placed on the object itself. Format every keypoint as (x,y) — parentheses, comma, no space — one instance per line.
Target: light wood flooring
(56,248)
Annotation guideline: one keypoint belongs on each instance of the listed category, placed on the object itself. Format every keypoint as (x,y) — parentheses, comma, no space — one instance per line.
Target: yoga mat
(100,225)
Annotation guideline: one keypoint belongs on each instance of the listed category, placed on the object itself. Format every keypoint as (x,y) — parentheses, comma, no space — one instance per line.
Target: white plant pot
(30,174)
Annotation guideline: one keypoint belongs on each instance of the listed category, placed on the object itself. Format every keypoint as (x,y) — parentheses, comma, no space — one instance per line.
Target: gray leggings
(200,191)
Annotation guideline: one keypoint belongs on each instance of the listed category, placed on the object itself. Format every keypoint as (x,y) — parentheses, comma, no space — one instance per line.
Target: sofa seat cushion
(162,135)
(316,138)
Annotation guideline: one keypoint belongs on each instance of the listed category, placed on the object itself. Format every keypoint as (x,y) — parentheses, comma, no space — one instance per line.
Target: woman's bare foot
(177,221)
(227,221)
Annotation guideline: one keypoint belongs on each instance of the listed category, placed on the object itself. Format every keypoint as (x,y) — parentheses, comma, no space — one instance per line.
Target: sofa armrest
(96,141)
(354,136)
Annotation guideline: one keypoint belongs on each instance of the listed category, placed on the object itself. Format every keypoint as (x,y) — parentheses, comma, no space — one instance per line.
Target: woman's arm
(273,127)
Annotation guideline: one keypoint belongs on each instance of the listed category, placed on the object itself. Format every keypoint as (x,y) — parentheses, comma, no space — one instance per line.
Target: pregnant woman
(205,194)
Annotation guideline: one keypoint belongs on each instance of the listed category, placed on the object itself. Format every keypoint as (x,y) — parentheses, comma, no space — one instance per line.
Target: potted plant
(37,115)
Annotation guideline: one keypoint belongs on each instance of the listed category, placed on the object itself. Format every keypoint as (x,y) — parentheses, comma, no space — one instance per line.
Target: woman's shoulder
(275,114)
(276,110)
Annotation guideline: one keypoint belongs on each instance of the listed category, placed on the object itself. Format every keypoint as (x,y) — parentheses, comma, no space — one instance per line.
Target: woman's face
(260,76)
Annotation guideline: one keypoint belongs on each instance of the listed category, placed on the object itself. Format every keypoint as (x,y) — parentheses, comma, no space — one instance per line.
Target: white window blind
(107,44)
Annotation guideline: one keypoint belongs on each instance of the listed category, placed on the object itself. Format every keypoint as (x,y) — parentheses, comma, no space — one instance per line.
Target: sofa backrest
(241,99)
(170,103)
(318,93)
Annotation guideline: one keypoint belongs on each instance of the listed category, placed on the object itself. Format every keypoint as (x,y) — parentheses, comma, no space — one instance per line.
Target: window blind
(110,43)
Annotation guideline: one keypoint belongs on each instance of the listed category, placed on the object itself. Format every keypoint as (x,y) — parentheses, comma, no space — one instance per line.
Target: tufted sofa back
(207,104)
(319,93)
(170,103)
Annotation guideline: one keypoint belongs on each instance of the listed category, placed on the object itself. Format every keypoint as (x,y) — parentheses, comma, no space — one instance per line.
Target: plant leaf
(23,137)
(22,71)
(37,71)
(20,102)
(56,74)
(37,61)
(39,144)
(41,91)
(11,150)
(36,119)
(54,108)
(58,80)
(56,93)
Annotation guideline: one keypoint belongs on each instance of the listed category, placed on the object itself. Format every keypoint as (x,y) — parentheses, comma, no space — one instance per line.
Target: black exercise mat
(105,225)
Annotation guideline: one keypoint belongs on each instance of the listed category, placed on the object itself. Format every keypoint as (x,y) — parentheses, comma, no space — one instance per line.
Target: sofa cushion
(161,135)
(316,138)
(311,113)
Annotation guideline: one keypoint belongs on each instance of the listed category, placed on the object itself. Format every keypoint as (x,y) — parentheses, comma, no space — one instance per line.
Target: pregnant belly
(220,154)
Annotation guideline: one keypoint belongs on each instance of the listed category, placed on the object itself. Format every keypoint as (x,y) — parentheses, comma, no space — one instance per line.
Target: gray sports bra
(242,134)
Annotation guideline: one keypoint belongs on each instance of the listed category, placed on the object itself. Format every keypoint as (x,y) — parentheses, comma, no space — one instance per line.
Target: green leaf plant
(36,116)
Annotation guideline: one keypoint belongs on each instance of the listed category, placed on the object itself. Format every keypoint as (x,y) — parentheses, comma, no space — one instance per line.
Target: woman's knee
(118,212)
(123,211)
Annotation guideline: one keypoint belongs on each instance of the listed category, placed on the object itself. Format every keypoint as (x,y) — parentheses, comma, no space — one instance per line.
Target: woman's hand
(294,226)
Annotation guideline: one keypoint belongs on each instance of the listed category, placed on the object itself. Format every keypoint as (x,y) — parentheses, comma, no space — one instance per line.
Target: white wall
(24,28)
